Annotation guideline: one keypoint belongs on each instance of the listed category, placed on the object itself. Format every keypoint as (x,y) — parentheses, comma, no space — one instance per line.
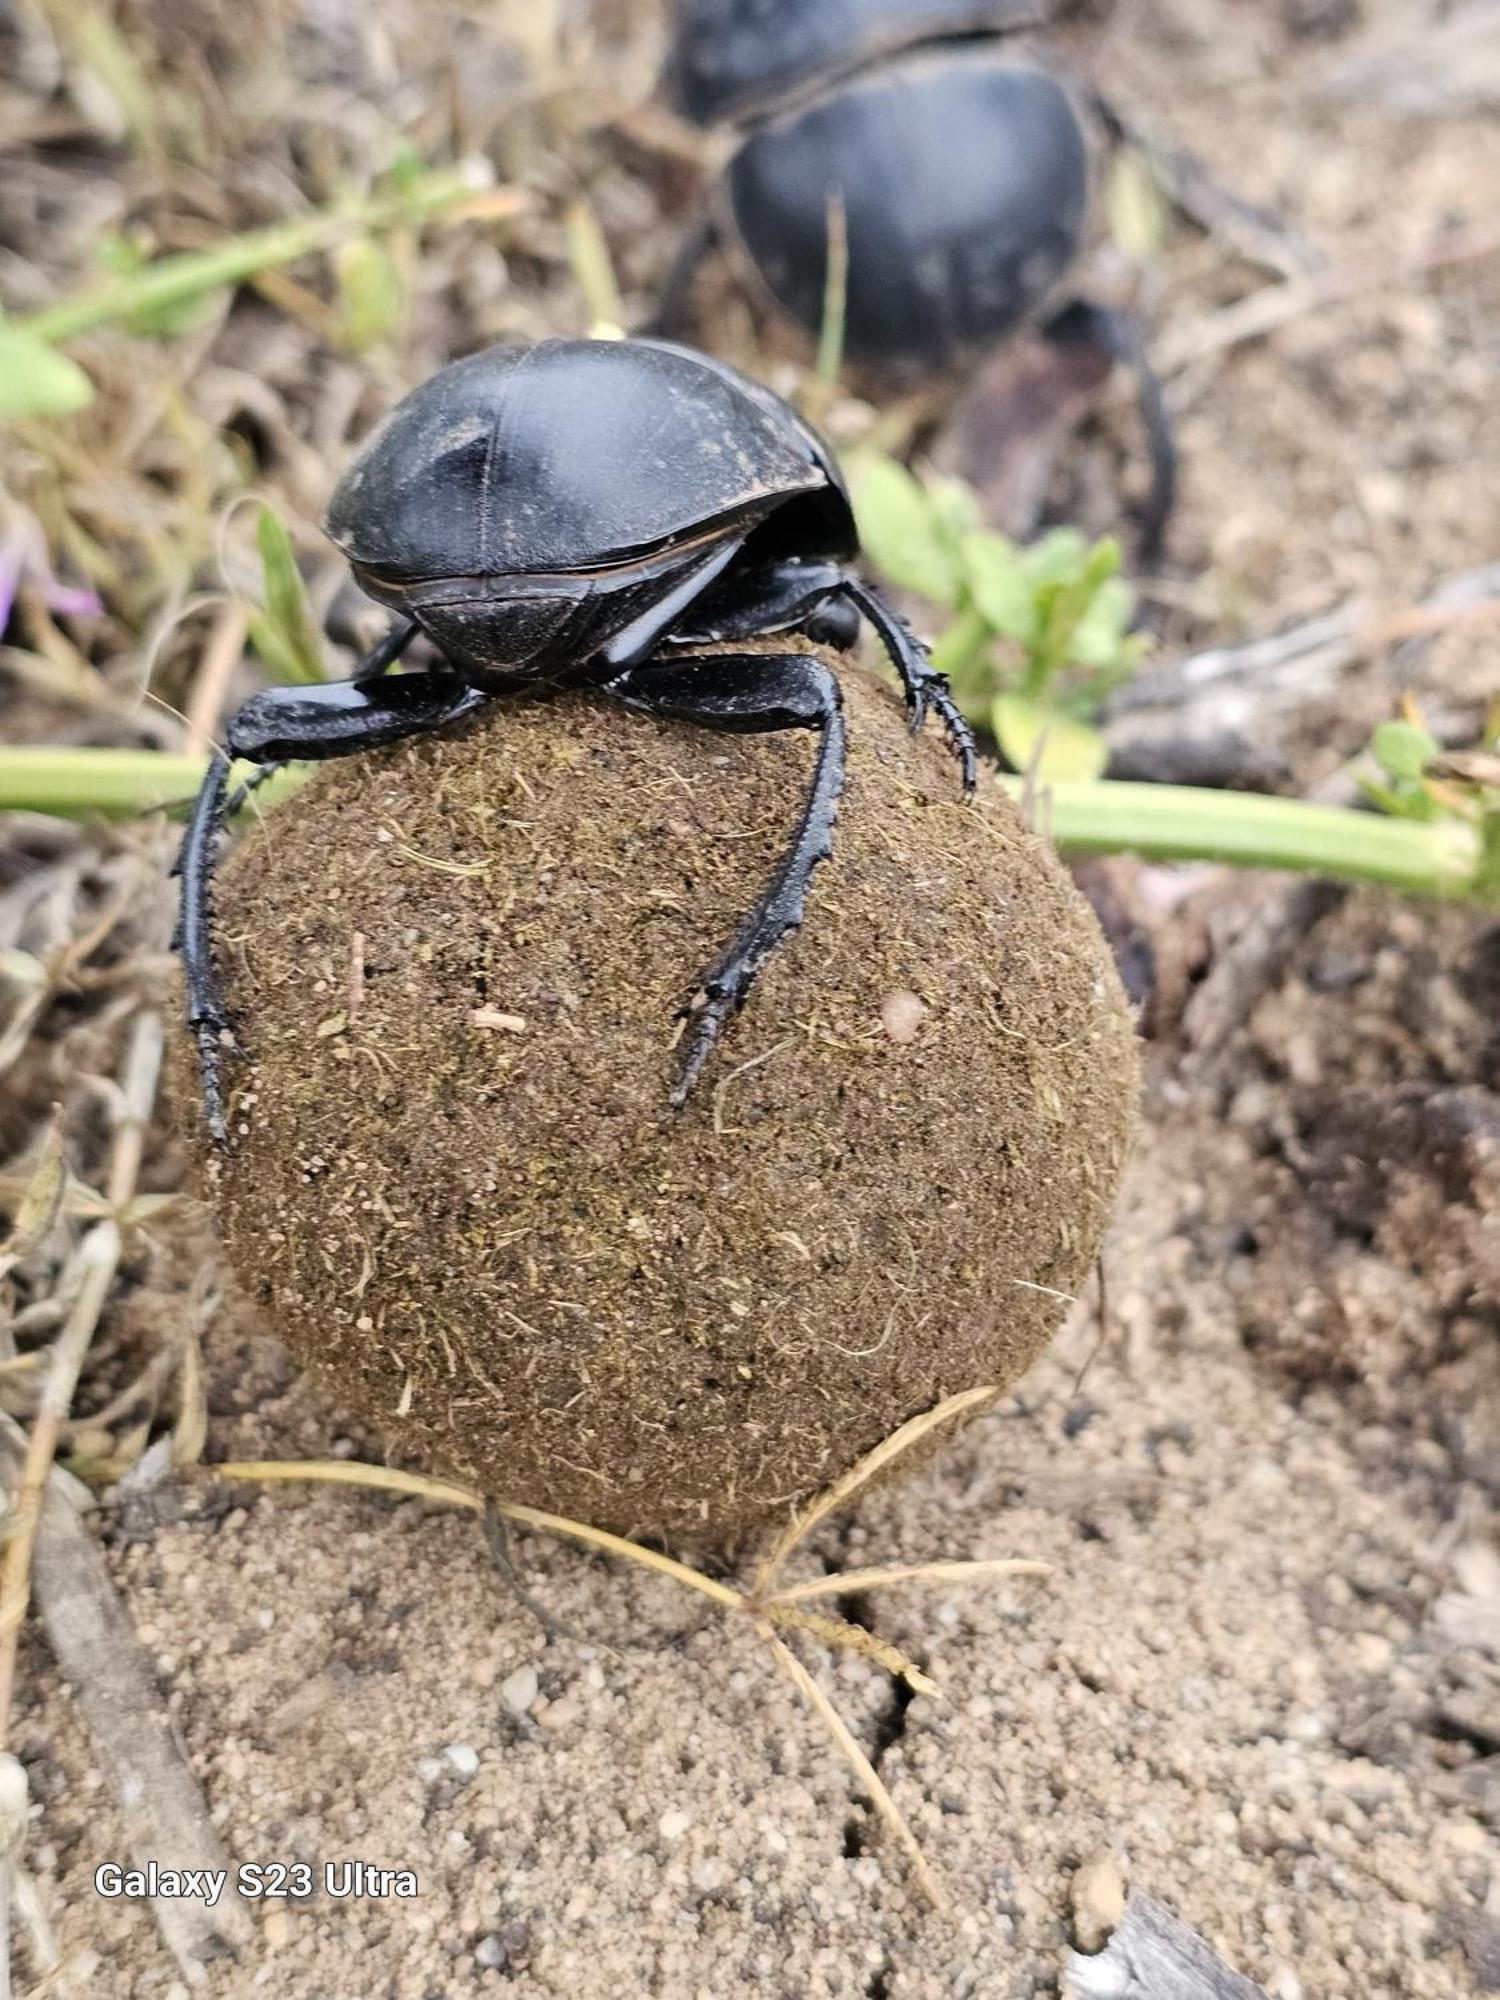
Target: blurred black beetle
(957,162)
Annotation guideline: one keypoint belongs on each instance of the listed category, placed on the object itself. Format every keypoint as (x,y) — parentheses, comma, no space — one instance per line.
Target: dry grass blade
(38,1207)
(850,1582)
(190,1432)
(874,1785)
(588,253)
(349,1472)
(342,1472)
(221,656)
(97,1263)
(843,1490)
(61,965)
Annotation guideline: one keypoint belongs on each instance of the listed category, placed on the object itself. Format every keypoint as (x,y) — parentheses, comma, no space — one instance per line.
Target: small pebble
(1098,1895)
(674,1823)
(518,1691)
(902,1014)
(462,1759)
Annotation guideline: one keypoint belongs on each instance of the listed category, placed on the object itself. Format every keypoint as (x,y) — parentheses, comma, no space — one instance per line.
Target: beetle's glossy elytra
(528,503)
(733,59)
(964,184)
(570,455)
(616,515)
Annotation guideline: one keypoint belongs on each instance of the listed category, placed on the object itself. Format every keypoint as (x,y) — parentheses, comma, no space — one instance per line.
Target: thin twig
(164,1815)
(98,1261)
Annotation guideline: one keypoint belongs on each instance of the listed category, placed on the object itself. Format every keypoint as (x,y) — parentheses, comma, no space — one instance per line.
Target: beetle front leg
(925,687)
(334,719)
(752,694)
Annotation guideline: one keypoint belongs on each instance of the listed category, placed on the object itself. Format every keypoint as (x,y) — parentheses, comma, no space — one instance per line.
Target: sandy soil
(1266,1672)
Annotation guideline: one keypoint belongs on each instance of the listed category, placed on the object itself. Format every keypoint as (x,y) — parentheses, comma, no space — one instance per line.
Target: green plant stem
(173,280)
(1161,822)
(1249,830)
(112,784)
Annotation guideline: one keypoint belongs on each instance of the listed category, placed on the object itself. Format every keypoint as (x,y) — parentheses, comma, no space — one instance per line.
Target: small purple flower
(24,564)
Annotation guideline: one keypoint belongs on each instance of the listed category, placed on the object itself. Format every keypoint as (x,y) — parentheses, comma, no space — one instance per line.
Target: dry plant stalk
(769,1609)
(222,654)
(98,1261)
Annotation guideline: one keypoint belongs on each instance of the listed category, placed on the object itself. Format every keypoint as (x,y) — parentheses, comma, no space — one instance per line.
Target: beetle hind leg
(752,694)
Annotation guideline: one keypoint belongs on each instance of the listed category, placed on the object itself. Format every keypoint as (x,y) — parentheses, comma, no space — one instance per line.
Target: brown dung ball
(456,1184)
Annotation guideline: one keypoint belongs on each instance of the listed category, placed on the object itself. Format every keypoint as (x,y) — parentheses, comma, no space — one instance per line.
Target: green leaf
(955,508)
(962,653)
(1041,739)
(372,295)
(1058,558)
(999,586)
(1402,750)
(1402,800)
(1102,638)
(284,631)
(903,531)
(37,381)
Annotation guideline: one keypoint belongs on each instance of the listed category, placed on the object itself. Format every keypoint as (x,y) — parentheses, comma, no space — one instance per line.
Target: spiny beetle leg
(752,694)
(925,686)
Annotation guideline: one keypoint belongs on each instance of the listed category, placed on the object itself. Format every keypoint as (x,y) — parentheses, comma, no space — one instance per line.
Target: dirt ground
(1265,1674)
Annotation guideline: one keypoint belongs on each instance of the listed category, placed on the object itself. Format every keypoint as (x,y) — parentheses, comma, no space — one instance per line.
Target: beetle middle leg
(925,687)
(334,719)
(752,693)
(823,600)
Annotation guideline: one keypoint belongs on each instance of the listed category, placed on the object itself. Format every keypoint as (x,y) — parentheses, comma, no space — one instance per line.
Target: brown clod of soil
(507,1252)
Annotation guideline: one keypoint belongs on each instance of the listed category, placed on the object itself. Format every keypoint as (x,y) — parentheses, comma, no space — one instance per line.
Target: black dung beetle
(958,162)
(585,514)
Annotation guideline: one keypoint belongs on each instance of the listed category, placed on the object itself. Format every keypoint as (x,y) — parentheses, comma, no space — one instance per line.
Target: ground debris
(1154,1955)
